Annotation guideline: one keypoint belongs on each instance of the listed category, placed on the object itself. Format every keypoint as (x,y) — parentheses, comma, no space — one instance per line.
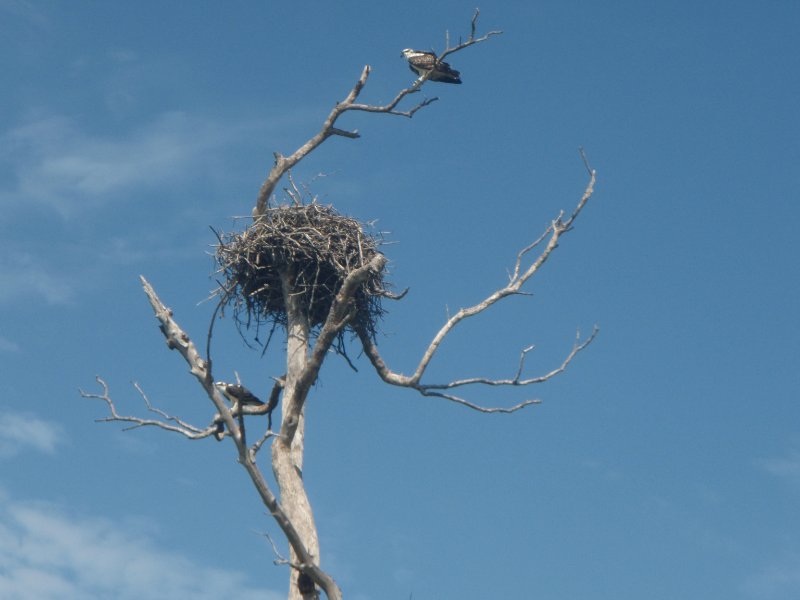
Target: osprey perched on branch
(424,62)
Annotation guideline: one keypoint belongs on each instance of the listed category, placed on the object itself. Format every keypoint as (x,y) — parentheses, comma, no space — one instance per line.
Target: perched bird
(238,393)
(421,63)
(239,396)
(305,585)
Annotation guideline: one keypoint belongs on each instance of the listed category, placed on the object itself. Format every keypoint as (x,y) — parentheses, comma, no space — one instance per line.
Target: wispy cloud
(26,10)
(23,275)
(785,467)
(48,554)
(780,579)
(20,432)
(58,164)
(7,345)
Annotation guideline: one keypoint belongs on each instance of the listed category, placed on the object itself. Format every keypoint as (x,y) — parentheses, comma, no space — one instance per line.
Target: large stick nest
(312,244)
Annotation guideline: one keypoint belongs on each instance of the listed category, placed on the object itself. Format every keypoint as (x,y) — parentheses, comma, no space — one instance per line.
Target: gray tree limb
(517,279)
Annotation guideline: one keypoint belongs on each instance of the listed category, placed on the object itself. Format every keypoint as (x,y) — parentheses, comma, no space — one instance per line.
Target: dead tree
(304,269)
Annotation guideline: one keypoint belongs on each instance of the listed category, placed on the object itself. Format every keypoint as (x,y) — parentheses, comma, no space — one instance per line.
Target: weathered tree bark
(287,450)
(302,366)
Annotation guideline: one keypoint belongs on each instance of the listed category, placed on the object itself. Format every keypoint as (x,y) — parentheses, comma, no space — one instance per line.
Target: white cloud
(46,554)
(22,275)
(20,432)
(57,164)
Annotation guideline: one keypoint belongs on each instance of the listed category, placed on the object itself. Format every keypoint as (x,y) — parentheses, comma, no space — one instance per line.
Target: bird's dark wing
(445,74)
(441,65)
(425,62)
(243,395)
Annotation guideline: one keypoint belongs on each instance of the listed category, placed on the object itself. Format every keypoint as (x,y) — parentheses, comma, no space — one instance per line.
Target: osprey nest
(315,243)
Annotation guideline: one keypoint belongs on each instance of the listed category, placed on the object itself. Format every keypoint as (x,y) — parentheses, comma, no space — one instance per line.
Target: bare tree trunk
(287,450)
(294,500)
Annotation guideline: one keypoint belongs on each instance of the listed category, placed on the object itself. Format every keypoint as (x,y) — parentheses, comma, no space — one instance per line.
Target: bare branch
(390,108)
(392,296)
(268,434)
(517,279)
(434,389)
(353,135)
(477,407)
(280,559)
(339,316)
(522,356)
(177,425)
(586,194)
(284,163)
(179,340)
(521,254)
(517,380)
(471,40)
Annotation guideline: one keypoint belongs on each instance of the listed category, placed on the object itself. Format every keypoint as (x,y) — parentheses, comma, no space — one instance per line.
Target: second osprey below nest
(424,62)
(238,393)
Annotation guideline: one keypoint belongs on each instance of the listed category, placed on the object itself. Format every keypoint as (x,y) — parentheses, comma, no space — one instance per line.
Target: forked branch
(520,275)
(167,422)
(339,316)
(177,339)
(471,40)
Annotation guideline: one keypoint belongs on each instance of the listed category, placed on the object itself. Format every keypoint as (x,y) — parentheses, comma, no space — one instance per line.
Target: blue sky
(665,464)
